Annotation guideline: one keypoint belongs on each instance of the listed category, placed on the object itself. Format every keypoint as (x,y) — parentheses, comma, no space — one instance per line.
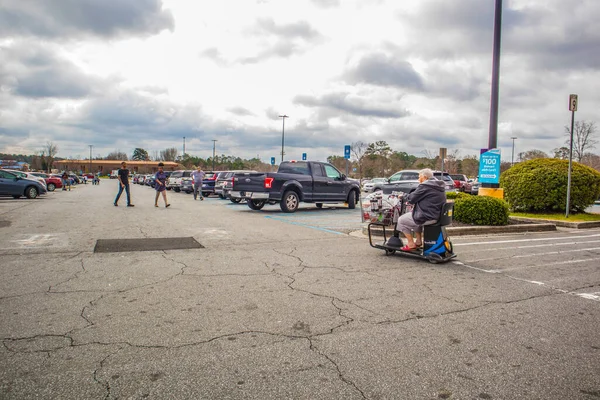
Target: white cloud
(127,74)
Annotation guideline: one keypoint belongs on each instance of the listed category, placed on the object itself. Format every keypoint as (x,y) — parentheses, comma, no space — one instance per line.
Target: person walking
(123,178)
(198,177)
(66,181)
(160,180)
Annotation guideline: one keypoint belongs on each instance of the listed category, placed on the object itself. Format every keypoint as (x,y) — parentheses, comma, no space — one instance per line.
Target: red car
(52,181)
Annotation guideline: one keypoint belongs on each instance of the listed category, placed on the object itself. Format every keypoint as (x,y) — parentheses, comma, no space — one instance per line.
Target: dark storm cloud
(33,70)
(454,29)
(379,69)
(544,41)
(353,105)
(73,18)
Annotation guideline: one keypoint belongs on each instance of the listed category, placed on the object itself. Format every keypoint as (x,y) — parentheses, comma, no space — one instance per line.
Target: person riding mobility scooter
(425,212)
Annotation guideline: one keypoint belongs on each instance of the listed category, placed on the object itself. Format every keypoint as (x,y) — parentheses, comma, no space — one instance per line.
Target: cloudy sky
(121,74)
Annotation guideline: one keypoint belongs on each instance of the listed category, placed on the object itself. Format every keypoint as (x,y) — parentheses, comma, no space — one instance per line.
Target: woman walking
(160,186)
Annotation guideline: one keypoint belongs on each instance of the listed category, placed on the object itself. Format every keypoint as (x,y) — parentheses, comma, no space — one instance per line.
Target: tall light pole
(283,117)
(91,145)
(512,159)
(183,155)
(213,160)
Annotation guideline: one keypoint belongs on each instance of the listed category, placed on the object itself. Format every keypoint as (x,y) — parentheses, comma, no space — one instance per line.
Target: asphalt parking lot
(274,305)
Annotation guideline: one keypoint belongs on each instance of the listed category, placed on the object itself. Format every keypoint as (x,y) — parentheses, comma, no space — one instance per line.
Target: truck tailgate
(249,182)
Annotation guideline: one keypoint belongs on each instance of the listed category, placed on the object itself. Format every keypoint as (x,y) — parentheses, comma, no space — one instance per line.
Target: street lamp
(283,117)
(91,145)
(512,159)
(213,160)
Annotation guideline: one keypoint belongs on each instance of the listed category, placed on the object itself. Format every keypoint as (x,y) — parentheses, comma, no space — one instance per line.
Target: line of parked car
(454,182)
(214,183)
(33,184)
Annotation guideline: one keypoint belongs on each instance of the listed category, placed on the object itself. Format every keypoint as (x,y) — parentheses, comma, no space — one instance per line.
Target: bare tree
(531,154)
(583,138)
(47,155)
(358,149)
(117,155)
(169,154)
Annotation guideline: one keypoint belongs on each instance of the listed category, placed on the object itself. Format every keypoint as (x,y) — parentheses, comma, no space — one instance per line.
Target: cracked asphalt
(284,307)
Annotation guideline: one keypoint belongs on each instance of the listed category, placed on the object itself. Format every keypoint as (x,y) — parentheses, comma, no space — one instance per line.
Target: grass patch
(578,217)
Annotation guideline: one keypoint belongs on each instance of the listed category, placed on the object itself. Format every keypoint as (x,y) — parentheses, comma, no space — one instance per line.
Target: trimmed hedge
(481,210)
(455,195)
(540,185)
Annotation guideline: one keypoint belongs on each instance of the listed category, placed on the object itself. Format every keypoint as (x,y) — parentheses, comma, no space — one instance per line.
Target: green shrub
(541,185)
(481,210)
(456,195)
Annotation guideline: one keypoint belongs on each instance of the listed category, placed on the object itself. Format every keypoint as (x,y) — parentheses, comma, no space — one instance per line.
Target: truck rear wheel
(352,200)
(289,202)
(255,204)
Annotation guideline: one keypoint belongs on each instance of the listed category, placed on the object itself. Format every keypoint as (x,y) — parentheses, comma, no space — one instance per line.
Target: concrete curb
(564,224)
(480,230)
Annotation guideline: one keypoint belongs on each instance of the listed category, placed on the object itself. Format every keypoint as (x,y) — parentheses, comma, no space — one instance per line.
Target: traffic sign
(347,152)
(272,160)
(573,102)
(489,166)
(303,156)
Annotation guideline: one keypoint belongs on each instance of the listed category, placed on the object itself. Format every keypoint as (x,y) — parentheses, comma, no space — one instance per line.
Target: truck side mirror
(343,177)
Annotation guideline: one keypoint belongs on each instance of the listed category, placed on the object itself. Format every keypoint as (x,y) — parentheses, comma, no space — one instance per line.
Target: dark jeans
(126,187)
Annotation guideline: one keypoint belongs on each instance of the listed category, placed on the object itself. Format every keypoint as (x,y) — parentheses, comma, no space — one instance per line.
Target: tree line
(375,159)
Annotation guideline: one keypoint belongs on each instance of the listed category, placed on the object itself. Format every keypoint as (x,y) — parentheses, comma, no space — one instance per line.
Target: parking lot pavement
(269,309)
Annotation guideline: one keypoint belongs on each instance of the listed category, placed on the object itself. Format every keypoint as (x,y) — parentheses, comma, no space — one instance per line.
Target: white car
(374,185)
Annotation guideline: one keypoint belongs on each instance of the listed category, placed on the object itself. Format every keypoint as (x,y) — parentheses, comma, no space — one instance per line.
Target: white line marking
(532,246)
(534,254)
(524,240)
(588,296)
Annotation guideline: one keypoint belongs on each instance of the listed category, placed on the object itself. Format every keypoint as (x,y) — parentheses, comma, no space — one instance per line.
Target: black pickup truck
(295,182)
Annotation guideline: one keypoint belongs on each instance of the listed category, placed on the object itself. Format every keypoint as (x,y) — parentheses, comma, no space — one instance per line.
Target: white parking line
(525,240)
(595,296)
(531,246)
(535,254)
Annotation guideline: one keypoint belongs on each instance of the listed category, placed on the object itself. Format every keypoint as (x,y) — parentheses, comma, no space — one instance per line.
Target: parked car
(448,181)
(149,180)
(187,185)
(412,176)
(223,182)
(30,176)
(53,182)
(174,180)
(374,185)
(461,182)
(475,188)
(16,186)
(208,183)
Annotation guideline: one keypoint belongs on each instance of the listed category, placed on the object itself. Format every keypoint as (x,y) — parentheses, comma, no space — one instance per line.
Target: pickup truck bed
(295,182)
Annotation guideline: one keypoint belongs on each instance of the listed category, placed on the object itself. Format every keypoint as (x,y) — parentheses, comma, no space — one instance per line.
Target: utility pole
(283,117)
(213,159)
(91,145)
(512,158)
(572,108)
(183,155)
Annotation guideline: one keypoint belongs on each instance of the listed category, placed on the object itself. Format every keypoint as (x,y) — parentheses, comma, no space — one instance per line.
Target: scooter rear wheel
(389,252)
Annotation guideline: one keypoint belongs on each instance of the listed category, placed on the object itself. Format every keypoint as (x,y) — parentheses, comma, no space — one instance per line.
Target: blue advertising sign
(303,156)
(347,151)
(489,166)
(272,160)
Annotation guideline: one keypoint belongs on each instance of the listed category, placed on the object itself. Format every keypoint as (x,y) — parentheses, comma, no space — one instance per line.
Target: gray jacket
(428,198)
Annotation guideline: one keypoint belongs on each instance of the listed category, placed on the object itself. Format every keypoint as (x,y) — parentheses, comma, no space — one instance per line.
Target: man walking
(123,177)
(198,177)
